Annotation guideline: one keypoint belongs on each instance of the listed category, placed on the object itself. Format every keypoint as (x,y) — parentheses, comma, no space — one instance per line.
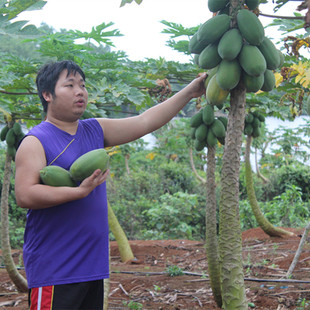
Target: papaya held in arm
(86,164)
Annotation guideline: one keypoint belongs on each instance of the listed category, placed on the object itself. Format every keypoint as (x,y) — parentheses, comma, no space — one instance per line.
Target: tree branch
(282,17)
(17,94)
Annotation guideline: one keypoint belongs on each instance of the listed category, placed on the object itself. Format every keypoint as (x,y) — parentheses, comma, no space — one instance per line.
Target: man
(66,238)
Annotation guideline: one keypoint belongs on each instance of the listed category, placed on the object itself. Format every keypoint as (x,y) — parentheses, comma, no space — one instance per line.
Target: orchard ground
(148,281)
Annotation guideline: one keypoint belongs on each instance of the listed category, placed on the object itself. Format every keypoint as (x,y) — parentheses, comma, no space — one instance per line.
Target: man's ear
(47,96)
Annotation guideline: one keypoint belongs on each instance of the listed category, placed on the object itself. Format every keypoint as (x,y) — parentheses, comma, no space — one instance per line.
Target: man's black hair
(48,76)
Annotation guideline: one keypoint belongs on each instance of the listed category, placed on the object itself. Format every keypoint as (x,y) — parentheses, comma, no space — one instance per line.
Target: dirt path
(146,284)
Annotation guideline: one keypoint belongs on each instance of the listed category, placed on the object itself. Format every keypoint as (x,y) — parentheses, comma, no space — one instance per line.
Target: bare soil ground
(145,283)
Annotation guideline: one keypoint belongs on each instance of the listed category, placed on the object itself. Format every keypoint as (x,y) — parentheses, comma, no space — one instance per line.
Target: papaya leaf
(180,46)
(15,7)
(177,30)
(124,2)
(280,4)
(29,30)
(98,34)
(288,25)
(16,26)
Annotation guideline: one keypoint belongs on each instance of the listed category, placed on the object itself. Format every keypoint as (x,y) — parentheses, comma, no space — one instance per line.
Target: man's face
(70,99)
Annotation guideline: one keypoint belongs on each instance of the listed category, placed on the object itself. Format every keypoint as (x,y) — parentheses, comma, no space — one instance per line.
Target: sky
(139,24)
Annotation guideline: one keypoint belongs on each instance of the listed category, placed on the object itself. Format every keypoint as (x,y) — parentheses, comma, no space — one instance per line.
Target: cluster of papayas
(12,136)
(207,129)
(239,53)
(252,123)
(80,169)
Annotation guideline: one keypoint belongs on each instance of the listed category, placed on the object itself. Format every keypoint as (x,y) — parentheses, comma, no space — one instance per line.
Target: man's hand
(198,85)
(96,179)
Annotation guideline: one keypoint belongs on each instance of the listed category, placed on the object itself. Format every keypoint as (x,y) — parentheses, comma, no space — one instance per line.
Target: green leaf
(177,30)
(98,34)
(15,7)
(129,1)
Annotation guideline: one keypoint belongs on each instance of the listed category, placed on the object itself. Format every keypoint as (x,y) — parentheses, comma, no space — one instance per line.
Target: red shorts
(83,295)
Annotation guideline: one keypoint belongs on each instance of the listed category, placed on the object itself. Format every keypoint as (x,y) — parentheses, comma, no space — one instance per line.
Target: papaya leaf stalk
(120,237)
(266,226)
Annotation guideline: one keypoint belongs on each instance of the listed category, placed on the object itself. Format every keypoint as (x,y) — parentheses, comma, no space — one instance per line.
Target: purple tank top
(68,243)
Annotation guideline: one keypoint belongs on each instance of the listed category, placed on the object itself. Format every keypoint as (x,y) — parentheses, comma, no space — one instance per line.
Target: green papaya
(252,4)
(224,120)
(252,60)
(230,44)
(225,10)
(218,129)
(196,119)
(211,139)
(261,117)
(210,73)
(17,128)
(18,140)
(3,132)
(253,83)
(199,145)
(250,27)
(10,137)
(228,74)
(195,46)
(56,176)
(192,132)
(11,151)
(195,59)
(256,122)
(215,95)
(248,129)
(249,118)
(270,53)
(208,114)
(201,132)
(85,165)
(213,29)
(217,5)
(209,57)
(269,81)
(255,113)
(256,132)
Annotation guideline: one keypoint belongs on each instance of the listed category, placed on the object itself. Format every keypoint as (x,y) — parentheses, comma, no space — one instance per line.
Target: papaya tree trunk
(120,237)
(230,242)
(19,281)
(211,229)
(264,224)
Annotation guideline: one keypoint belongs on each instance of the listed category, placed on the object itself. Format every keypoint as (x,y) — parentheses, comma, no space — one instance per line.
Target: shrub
(297,175)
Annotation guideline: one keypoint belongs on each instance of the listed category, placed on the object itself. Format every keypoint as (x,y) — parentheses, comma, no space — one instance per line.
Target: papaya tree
(255,78)
(234,37)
